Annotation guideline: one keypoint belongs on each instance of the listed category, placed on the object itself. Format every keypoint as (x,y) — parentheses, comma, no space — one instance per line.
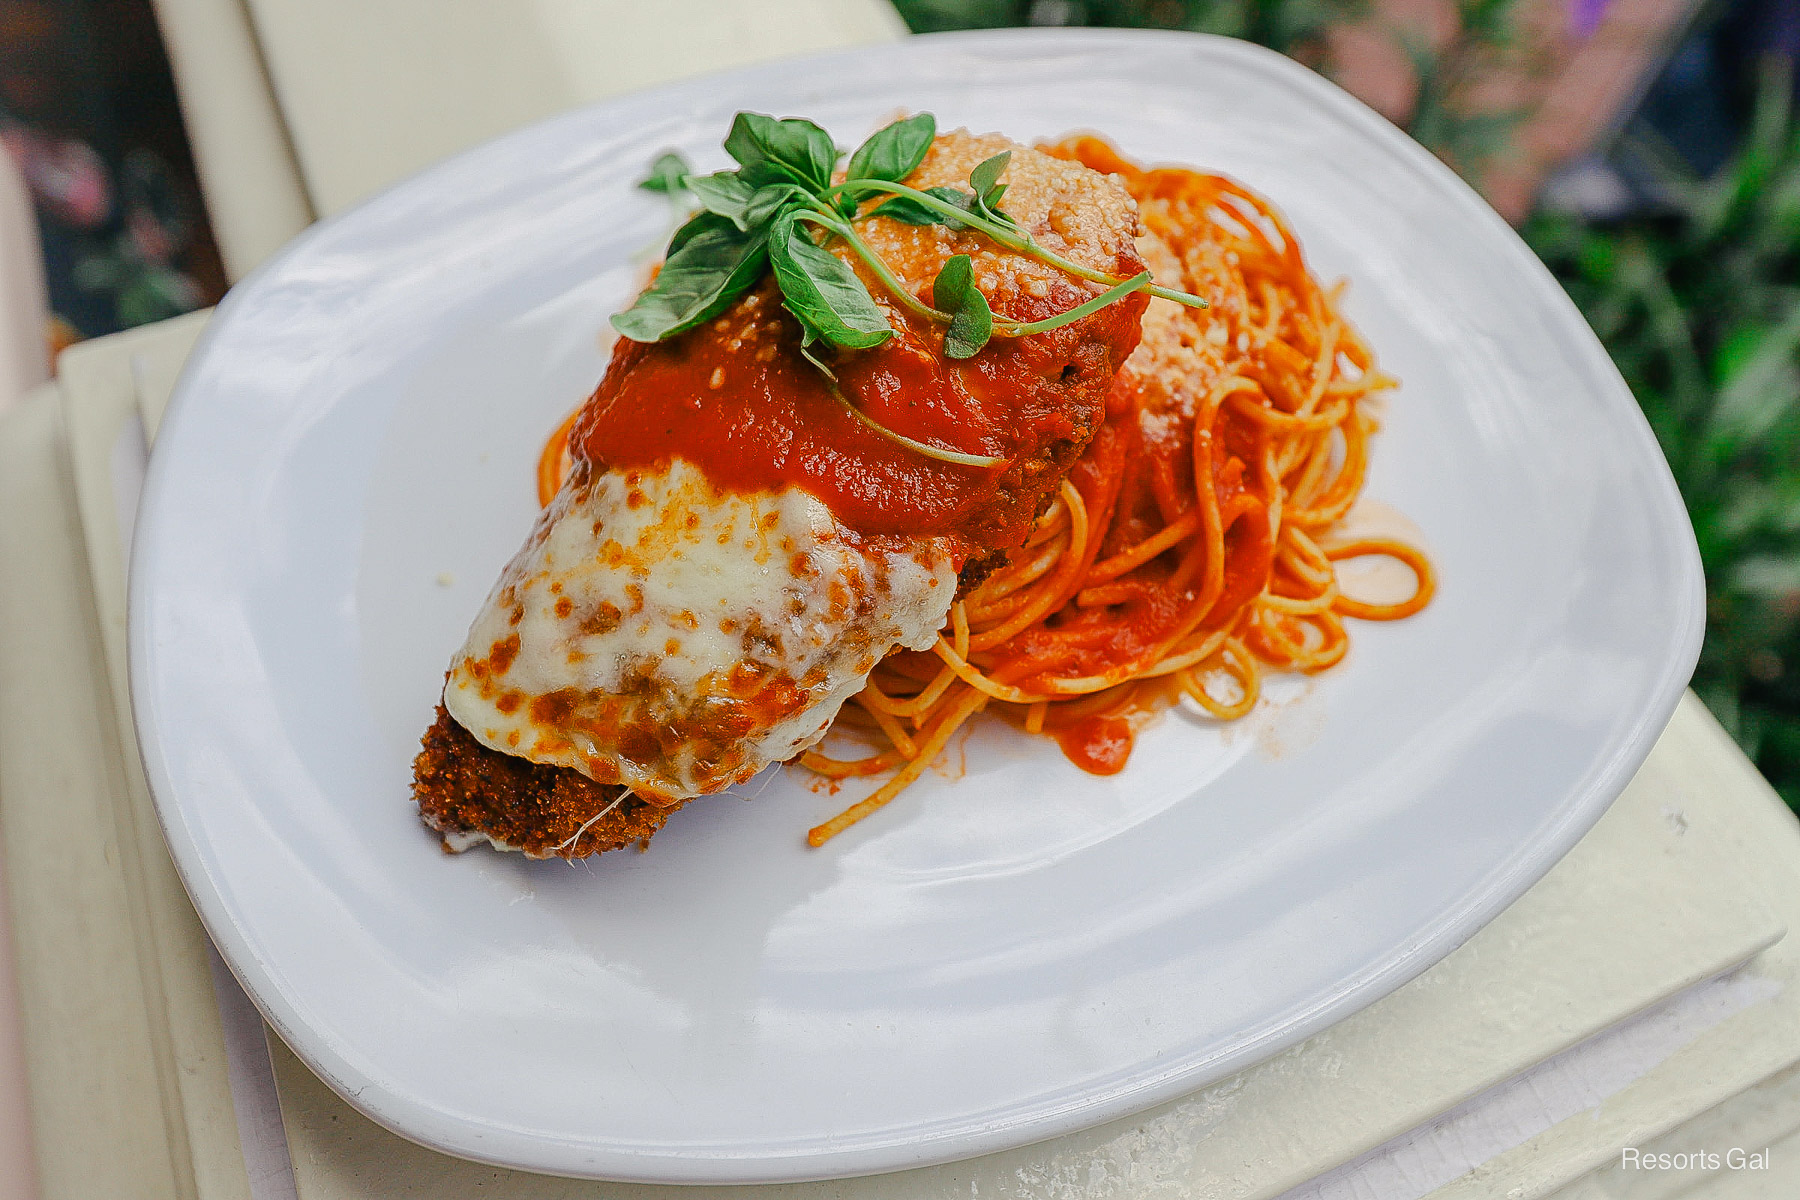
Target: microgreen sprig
(929,451)
(780,211)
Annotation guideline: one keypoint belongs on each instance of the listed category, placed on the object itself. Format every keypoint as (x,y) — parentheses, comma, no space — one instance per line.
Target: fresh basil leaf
(987,174)
(894,152)
(712,266)
(905,208)
(971,320)
(821,290)
(698,223)
(667,174)
(954,279)
(792,150)
(725,193)
(769,200)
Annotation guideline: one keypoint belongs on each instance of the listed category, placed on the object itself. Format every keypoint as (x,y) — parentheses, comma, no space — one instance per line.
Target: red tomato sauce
(736,398)
(1135,476)
(1098,745)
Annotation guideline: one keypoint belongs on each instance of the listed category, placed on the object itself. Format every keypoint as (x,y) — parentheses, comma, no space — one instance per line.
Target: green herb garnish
(925,448)
(971,321)
(821,290)
(779,209)
(901,208)
(894,152)
(711,263)
(666,175)
(792,150)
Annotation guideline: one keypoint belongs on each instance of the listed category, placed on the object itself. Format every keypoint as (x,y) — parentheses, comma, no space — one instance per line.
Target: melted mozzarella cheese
(658,632)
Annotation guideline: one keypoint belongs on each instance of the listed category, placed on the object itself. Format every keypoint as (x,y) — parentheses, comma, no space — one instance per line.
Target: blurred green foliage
(1294,27)
(1445,117)
(1699,305)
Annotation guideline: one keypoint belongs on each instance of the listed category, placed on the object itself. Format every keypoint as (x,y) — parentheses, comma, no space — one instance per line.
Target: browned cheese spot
(602,620)
(554,708)
(502,653)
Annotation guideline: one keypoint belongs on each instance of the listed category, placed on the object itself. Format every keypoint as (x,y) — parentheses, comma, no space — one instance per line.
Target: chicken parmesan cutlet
(764,500)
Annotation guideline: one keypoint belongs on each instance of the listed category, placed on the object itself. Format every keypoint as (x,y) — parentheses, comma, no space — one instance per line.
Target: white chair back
(24,341)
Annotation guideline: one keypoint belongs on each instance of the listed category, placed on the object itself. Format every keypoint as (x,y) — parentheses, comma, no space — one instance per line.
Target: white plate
(995,958)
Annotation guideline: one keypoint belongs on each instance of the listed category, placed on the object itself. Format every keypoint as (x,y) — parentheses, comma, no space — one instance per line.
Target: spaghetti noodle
(1191,547)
